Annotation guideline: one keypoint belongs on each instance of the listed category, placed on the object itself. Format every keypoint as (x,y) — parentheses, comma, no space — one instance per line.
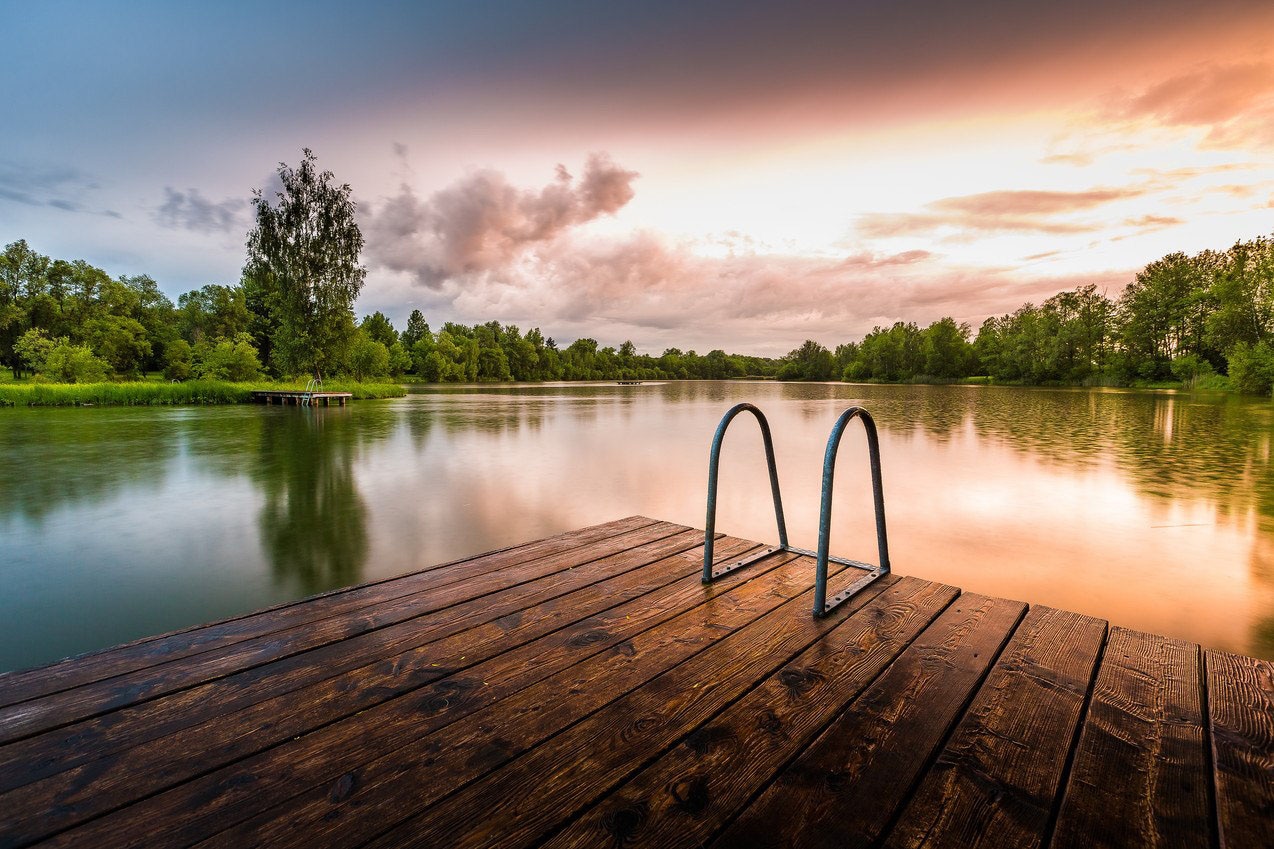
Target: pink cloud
(482,222)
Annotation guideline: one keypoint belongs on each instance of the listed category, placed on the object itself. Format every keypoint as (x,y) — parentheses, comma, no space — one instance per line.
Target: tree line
(71,322)
(1182,319)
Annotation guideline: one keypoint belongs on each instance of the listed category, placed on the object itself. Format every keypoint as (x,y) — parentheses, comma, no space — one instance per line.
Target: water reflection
(314,521)
(1152,509)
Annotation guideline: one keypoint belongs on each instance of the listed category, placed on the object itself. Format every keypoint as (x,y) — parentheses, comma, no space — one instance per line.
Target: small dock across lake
(299,397)
(588,690)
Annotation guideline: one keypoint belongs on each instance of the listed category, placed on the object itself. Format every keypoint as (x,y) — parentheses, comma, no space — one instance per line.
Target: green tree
(367,357)
(946,350)
(306,247)
(811,361)
(227,359)
(178,360)
(379,329)
(417,329)
(33,348)
(1252,368)
(120,341)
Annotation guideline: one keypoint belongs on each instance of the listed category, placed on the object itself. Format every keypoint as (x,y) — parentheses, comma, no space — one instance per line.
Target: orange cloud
(1236,103)
(1024,210)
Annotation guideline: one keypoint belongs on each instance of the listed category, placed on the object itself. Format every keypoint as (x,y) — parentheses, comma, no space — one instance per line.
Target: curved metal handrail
(315,384)
(821,606)
(714,462)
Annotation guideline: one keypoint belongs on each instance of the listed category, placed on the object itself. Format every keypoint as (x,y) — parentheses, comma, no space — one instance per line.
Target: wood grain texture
(995,781)
(30,717)
(400,730)
(436,618)
(521,803)
(1241,722)
(1140,776)
(424,771)
(845,788)
(81,792)
(589,690)
(694,789)
(22,685)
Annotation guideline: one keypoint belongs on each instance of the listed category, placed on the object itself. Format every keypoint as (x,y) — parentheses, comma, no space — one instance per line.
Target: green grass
(147,393)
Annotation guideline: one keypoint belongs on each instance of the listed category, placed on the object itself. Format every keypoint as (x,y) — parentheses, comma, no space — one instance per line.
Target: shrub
(1252,368)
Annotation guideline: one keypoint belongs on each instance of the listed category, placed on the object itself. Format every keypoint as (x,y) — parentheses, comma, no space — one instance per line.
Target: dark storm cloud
(483,222)
(190,210)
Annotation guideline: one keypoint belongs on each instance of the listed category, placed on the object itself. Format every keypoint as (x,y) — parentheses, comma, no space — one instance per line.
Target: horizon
(703,176)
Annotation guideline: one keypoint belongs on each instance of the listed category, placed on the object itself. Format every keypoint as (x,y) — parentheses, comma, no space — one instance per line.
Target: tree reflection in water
(314,521)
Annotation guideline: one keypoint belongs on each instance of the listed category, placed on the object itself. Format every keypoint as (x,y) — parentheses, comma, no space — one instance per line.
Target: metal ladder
(822,606)
(315,385)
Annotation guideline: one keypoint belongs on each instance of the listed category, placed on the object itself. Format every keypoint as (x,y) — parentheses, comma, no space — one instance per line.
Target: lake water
(1154,510)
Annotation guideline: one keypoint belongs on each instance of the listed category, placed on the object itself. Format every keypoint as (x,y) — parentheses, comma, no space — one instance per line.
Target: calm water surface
(1154,510)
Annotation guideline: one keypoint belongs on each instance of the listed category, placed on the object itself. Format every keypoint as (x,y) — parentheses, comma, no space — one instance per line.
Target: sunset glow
(710,175)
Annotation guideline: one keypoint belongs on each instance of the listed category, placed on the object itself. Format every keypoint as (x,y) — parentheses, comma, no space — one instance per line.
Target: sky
(703,175)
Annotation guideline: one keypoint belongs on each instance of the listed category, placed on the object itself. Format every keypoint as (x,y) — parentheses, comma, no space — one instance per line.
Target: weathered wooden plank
(23,685)
(64,748)
(402,727)
(520,803)
(78,794)
(995,781)
(1241,724)
(846,787)
(435,589)
(1140,775)
(353,804)
(692,791)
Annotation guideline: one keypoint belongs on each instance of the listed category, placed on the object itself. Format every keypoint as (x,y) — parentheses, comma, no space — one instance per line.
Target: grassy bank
(144,393)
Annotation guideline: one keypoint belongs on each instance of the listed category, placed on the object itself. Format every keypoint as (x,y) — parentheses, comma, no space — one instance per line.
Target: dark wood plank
(66,747)
(695,788)
(434,590)
(1140,775)
(372,744)
(846,787)
(22,685)
(1241,724)
(996,780)
(393,786)
(522,802)
(74,795)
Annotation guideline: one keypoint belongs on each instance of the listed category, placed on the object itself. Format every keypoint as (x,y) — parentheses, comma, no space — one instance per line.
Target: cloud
(1021,210)
(661,293)
(1235,101)
(60,187)
(483,222)
(190,210)
(1154,222)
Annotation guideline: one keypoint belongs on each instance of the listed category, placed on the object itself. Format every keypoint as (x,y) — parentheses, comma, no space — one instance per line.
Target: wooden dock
(587,690)
(299,397)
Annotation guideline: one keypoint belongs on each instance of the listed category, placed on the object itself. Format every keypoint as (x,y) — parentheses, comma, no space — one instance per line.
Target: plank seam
(1064,780)
(796,603)
(6,678)
(957,717)
(822,729)
(198,775)
(1209,754)
(212,769)
(674,530)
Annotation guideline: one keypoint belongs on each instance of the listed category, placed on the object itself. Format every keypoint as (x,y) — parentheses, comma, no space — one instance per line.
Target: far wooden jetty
(588,690)
(299,397)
